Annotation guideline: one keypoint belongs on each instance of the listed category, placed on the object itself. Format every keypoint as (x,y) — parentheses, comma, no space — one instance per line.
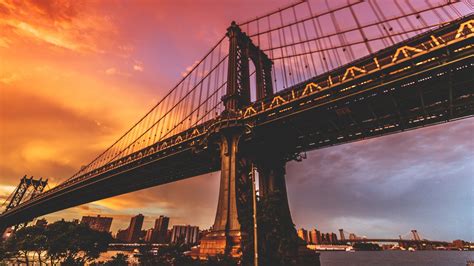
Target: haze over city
(64,100)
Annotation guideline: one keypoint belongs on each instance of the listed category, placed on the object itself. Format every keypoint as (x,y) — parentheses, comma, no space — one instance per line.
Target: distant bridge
(395,240)
(411,238)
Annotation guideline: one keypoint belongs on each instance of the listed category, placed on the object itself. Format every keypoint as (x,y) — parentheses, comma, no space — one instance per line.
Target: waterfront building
(98,223)
(122,235)
(315,237)
(352,236)
(161,229)
(303,234)
(149,235)
(185,234)
(135,228)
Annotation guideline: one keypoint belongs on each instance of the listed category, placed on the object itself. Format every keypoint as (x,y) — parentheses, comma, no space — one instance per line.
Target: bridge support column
(272,183)
(277,237)
(227,234)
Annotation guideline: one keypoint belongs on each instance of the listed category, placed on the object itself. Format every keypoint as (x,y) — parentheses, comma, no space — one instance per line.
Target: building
(459,244)
(150,235)
(185,234)
(41,223)
(135,229)
(327,238)
(303,234)
(98,223)
(352,236)
(314,237)
(122,235)
(161,229)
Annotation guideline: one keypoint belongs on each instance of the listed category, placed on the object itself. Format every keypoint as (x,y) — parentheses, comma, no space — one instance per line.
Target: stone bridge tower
(232,229)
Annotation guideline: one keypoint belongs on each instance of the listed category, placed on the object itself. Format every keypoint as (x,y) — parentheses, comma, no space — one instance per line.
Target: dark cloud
(415,179)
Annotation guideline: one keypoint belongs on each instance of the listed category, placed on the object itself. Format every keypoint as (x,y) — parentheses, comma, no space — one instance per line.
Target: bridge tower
(20,194)
(241,52)
(416,237)
(341,234)
(232,229)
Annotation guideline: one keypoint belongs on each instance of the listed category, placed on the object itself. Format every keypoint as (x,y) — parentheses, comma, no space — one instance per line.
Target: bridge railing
(353,76)
(310,38)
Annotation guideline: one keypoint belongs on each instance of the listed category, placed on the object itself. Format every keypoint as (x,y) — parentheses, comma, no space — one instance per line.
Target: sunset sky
(75,75)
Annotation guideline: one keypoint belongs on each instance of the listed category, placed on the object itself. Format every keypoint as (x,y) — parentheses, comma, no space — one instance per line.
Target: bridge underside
(145,173)
(443,91)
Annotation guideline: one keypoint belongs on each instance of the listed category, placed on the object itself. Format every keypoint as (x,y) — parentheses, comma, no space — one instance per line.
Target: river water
(374,258)
(396,258)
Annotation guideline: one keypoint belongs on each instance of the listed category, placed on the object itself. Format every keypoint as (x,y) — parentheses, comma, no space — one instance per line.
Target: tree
(26,240)
(75,243)
(66,242)
(119,259)
(7,251)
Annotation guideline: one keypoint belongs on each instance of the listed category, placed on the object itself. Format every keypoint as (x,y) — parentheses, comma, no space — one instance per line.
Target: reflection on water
(396,258)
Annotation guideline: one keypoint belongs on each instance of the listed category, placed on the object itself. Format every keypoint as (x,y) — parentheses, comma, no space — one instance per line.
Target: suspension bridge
(309,75)
(411,238)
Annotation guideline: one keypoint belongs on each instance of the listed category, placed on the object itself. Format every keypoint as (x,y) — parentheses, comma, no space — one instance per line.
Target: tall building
(135,228)
(186,234)
(327,238)
(161,229)
(149,235)
(303,234)
(98,223)
(314,237)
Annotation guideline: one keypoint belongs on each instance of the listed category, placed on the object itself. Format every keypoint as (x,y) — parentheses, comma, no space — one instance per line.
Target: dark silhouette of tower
(415,235)
(161,228)
(135,228)
(341,234)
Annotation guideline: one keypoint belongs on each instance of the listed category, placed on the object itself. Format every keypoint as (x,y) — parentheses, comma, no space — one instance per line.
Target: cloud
(111,71)
(63,24)
(33,147)
(138,66)
(189,68)
(414,179)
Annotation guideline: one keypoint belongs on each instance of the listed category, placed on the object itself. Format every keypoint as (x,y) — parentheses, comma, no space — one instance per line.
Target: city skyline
(358,186)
